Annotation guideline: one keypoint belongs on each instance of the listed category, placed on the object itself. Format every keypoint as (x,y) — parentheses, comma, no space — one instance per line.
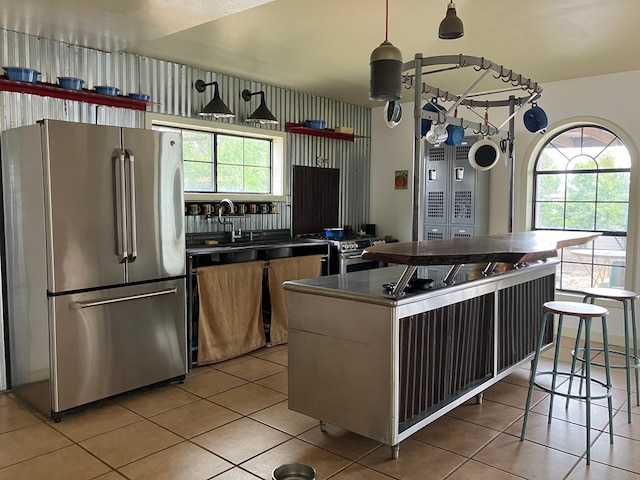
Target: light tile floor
(230,421)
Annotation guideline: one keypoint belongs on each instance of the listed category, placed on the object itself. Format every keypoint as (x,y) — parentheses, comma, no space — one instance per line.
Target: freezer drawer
(113,340)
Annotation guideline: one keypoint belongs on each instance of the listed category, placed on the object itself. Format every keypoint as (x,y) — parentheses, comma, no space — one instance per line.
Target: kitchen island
(384,362)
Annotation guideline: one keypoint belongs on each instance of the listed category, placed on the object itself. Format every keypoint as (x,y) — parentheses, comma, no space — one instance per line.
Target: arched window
(581,182)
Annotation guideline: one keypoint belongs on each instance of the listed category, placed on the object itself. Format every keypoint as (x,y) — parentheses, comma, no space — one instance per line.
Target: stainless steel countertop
(367,285)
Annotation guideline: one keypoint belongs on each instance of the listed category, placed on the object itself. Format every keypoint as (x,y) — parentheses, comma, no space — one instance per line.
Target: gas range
(348,243)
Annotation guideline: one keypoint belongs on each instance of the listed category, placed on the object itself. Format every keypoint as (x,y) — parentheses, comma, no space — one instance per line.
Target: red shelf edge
(56,91)
(291,127)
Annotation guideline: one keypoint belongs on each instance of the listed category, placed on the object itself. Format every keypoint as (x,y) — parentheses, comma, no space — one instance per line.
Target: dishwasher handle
(78,305)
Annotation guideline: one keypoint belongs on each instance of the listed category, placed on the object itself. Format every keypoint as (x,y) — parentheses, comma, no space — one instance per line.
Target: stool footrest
(633,360)
(568,394)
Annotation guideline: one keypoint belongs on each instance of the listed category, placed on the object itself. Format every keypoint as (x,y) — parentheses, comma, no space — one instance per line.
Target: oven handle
(346,256)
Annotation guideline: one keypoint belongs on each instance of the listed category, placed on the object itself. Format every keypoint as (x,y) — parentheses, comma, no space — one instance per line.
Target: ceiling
(322,47)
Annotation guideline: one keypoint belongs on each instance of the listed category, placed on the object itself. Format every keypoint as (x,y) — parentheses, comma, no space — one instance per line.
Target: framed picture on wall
(401,181)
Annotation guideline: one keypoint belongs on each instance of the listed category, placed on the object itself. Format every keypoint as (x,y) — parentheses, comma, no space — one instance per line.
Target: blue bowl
(535,119)
(107,90)
(71,83)
(319,124)
(22,74)
(334,233)
(143,97)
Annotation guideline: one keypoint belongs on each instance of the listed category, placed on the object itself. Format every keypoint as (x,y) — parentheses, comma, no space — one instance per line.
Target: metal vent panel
(463,205)
(517,340)
(436,154)
(443,352)
(435,205)
(462,153)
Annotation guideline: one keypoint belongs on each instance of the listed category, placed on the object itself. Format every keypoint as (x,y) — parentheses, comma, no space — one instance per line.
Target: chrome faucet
(234,236)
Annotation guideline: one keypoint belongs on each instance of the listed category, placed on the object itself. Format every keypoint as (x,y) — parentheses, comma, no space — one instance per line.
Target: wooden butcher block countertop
(522,247)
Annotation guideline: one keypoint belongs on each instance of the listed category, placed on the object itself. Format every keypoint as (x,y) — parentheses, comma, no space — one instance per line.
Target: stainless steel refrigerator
(95,257)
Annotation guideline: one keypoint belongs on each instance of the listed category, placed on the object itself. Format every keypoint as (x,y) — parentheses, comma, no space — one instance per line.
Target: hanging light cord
(386,25)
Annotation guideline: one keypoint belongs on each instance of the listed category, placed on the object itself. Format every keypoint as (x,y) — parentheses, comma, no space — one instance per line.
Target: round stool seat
(611,293)
(577,309)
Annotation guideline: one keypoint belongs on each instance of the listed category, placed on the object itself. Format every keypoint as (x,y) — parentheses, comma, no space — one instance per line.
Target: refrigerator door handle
(132,205)
(78,305)
(121,202)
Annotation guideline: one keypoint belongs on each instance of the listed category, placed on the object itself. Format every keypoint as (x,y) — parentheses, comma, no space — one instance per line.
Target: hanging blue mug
(456,135)
(535,119)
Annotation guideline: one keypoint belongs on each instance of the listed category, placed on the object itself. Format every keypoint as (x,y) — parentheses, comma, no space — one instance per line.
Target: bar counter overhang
(383,363)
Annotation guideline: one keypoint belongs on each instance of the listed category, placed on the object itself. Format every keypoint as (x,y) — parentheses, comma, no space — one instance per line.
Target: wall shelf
(84,95)
(291,127)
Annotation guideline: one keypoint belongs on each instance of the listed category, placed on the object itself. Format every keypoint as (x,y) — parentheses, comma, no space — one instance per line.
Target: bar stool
(585,312)
(627,298)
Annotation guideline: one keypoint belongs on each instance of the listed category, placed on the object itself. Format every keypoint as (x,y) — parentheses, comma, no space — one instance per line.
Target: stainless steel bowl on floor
(294,471)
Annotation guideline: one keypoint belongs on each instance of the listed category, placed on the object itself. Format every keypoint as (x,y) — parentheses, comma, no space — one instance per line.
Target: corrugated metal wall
(171,88)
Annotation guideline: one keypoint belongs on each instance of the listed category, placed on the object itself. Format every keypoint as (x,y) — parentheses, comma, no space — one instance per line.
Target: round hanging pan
(484,154)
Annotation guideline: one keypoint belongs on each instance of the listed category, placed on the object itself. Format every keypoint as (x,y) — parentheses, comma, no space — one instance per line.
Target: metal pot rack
(456,62)
(413,76)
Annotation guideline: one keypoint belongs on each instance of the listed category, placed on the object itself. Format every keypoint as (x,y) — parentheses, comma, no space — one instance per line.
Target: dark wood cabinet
(316,198)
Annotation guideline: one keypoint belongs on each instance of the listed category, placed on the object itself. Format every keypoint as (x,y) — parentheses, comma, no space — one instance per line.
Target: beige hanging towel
(230,320)
(280,271)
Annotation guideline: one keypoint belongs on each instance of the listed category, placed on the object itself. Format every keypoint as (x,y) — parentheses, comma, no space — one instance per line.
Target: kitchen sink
(244,255)
(279,252)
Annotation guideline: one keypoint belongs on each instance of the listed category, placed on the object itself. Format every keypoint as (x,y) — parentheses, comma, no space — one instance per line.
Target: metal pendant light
(451,27)
(216,107)
(262,113)
(385,69)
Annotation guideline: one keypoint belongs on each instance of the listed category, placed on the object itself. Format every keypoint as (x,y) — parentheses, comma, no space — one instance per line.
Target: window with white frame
(227,160)
(581,183)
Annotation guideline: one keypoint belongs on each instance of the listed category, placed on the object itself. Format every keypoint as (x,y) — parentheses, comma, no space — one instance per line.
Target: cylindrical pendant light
(385,69)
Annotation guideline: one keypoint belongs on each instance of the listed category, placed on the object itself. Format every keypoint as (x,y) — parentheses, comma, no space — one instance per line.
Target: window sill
(234,197)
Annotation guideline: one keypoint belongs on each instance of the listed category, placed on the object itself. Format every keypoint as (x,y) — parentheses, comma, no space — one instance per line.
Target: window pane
(230,178)
(581,187)
(551,187)
(580,162)
(580,216)
(257,152)
(196,146)
(198,177)
(571,138)
(549,215)
(229,150)
(575,276)
(612,217)
(595,137)
(613,187)
(257,179)
(614,156)
(551,159)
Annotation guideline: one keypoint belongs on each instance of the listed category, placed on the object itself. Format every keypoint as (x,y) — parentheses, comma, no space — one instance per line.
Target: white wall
(391,150)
